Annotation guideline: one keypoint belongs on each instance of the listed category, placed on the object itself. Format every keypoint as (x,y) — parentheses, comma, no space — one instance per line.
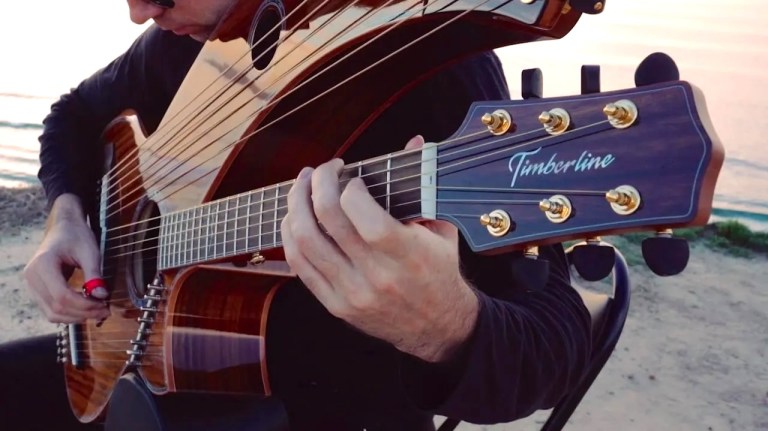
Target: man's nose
(142,11)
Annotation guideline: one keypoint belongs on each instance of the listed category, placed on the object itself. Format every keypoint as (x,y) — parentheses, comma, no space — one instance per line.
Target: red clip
(92,285)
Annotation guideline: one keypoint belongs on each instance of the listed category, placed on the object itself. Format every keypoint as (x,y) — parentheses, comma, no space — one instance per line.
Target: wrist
(457,327)
(66,209)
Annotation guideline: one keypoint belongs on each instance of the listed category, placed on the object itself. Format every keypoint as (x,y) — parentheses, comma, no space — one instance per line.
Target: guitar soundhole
(265,32)
(145,244)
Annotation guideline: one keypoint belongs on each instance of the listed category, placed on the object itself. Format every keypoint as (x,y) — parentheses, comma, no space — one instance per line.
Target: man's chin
(200,37)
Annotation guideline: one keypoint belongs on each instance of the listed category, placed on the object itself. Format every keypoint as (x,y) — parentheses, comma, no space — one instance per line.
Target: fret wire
(175,240)
(274,220)
(163,241)
(208,232)
(226,222)
(248,221)
(261,216)
(198,230)
(186,236)
(181,237)
(389,179)
(169,248)
(216,231)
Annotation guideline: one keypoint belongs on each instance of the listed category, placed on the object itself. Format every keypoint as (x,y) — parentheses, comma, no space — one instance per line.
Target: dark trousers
(326,374)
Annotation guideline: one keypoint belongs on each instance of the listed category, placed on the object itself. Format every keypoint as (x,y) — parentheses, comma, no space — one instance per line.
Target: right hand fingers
(59,303)
(44,277)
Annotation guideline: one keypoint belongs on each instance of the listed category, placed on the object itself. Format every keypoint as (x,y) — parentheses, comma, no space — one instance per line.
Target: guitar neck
(402,183)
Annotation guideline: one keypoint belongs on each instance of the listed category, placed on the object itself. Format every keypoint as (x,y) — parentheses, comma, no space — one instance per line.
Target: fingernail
(100,293)
(305,173)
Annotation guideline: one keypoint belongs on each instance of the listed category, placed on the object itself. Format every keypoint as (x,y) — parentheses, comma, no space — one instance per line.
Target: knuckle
(337,310)
(387,284)
(377,236)
(361,301)
(324,206)
(57,308)
(303,238)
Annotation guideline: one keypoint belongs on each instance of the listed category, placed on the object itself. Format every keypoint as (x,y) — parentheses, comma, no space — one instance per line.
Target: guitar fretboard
(250,222)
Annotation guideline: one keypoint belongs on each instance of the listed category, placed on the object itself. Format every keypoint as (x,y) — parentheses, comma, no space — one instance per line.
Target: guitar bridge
(152,298)
(67,343)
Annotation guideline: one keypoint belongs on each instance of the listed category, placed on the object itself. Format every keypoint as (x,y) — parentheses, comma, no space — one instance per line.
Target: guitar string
(286,114)
(156,139)
(253,115)
(233,242)
(187,145)
(247,238)
(446,153)
(278,216)
(289,182)
(276,187)
(248,136)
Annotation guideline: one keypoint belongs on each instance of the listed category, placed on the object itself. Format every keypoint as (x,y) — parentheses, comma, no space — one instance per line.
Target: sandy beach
(693,355)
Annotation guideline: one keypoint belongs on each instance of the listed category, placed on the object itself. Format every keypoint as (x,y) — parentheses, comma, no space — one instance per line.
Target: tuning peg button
(666,255)
(593,260)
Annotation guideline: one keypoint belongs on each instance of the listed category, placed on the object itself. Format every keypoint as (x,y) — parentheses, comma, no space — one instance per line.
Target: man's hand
(68,242)
(398,282)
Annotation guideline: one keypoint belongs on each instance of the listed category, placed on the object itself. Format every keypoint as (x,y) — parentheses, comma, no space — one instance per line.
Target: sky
(48,46)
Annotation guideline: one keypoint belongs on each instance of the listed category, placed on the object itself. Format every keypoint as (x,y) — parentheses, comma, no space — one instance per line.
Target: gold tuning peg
(624,200)
(499,122)
(555,121)
(497,222)
(558,208)
(621,114)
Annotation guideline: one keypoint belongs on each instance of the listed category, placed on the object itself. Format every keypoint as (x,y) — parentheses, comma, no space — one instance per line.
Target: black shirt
(528,347)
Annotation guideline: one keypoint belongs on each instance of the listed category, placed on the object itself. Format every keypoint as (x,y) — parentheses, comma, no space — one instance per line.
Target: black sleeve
(528,347)
(144,79)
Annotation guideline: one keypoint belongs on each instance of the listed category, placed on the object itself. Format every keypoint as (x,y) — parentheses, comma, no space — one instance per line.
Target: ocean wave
(747,164)
(15,125)
(756,221)
(17,179)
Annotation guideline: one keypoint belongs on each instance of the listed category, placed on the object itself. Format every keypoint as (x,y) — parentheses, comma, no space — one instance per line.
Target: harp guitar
(179,207)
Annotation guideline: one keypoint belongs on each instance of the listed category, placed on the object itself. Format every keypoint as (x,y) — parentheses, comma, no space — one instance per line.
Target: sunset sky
(721,46)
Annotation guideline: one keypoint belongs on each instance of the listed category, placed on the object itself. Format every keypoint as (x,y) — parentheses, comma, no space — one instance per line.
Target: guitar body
(206,334)
(233,127)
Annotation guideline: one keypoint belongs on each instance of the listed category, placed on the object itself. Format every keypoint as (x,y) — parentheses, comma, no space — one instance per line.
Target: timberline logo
(524,165)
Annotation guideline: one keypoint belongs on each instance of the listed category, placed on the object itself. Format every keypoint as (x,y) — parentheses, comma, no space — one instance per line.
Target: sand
(693,354)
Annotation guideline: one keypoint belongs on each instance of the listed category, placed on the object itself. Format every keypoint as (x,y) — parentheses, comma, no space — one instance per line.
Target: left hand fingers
(304,236)
(310,276)
(374,225)
(325,202)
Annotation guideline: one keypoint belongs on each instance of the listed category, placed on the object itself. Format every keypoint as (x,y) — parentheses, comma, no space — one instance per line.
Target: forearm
(65,208)
(69,155)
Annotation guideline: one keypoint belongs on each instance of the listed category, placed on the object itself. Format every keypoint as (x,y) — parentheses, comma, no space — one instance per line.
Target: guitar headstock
(531,172)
